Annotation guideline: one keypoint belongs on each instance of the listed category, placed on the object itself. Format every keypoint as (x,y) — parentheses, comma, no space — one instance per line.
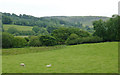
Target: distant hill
(85,20)
(29,20)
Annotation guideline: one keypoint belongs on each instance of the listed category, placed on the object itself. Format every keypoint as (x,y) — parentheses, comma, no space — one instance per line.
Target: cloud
(60,7)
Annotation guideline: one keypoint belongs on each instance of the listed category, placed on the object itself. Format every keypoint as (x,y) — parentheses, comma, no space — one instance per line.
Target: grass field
(18,27)
(83,58)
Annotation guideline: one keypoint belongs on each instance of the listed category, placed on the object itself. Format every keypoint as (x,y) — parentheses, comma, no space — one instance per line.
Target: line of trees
(59,36)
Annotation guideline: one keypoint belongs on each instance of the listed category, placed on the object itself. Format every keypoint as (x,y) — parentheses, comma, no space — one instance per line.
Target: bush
(47,40)
(72,39)
(7,40)
(19,42)
(34,41)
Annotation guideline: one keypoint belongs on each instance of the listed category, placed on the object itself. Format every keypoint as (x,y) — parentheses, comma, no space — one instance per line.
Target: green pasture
(82,58)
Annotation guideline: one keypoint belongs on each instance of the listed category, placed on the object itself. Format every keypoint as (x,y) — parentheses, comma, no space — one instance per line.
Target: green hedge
(80,40)
(92,39)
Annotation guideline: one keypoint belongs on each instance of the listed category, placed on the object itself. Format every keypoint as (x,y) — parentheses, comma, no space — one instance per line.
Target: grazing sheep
(22,64)
(48,65)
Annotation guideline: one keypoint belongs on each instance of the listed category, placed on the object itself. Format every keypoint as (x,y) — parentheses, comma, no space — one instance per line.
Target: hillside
(85,20)
(28,20)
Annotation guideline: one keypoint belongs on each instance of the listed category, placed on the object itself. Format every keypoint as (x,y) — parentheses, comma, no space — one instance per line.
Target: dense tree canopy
(108,30)
(47,40)
(63,33)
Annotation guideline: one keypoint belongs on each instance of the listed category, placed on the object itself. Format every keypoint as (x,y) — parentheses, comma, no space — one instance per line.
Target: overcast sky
(41,8)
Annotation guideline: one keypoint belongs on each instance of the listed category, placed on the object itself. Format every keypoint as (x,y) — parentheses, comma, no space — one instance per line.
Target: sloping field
(83,58)
(18,27)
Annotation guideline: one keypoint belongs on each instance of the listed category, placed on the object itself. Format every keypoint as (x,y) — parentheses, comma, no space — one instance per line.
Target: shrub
(19,42)
(72,39)
(7,40)
(34,41)
(47,40)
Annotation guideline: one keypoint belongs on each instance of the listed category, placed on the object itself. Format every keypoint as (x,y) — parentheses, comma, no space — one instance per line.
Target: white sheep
(22,64)
(48,65)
